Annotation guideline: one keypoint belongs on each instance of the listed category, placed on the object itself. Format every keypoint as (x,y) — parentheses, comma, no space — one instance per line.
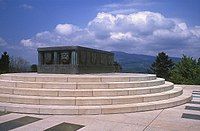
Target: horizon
(142,27)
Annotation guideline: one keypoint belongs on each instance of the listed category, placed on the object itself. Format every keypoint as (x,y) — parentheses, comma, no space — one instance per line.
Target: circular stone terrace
(81,94)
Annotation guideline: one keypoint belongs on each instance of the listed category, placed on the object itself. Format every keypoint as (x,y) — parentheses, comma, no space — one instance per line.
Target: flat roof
(60,48)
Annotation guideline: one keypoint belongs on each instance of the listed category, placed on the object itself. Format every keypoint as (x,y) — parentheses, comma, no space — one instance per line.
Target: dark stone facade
(74,60)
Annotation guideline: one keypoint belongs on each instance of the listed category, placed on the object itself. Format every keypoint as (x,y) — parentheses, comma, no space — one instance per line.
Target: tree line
(18,64)
(186,71)
(15,64)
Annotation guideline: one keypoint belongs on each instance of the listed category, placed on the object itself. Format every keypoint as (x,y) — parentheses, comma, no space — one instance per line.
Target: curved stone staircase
(87,94)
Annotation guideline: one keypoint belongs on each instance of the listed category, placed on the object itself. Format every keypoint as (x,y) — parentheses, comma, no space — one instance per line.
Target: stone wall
(74,60)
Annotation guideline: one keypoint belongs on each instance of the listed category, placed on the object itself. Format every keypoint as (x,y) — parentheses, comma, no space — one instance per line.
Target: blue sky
(133,26)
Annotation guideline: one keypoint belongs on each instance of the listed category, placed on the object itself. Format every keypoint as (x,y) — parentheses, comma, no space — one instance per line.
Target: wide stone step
(85,92)
(82,85)
(82,101)
(104,109)
(114,77)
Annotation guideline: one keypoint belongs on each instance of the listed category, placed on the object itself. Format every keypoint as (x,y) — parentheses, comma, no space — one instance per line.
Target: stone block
(120,85)
(64,92)
(176,93)
(126,100)
(76,93)
(60,79)
(156,90)
(45,92)
(146,106)
(89,110)
(22,109)
(25,91)
(17,78)
(83,93)
(84,79)
(59,111)
(184,99)
(60,85)
(142,91)
(4,77)
(165,104)
(81,101)
(24,100)
(4,98)
(28,85)
(108,92)
(20,78)
(161,96)
(7,83)
(92,85)
(57,101)
(167,88)
(44,79)
(118,109)
(6,90)
(115,79)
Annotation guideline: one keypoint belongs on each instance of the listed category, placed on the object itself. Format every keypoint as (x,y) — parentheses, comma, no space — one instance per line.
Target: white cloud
(27,42)
(120,36)
(141,32)
(2,42)
(26,6)
(66,29)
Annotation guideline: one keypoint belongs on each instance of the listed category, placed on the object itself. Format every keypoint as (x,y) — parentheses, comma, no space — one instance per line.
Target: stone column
(76,58)
(55,58)
(73,58)
(40,58)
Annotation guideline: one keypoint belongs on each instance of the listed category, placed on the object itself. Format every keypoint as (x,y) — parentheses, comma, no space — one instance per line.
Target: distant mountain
(136,62)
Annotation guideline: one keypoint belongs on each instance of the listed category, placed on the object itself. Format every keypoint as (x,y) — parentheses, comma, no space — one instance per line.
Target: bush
(34,68)
(4,63)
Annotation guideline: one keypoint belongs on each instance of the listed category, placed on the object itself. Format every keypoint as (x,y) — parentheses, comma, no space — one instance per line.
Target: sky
(133,26)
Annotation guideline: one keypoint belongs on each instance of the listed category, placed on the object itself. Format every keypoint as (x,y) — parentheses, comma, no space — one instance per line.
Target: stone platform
(87,93)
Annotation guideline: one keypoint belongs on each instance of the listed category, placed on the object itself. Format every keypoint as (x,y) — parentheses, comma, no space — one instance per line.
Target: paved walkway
(181,118)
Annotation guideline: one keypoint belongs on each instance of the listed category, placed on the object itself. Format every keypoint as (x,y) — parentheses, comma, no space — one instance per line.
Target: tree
(198,61)
(187,71)
(117,67)
(162,66)
(4,63)
(18,64)
(34,68)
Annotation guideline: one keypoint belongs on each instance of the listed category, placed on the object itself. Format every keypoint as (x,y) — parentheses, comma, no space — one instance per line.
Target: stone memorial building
(74,60)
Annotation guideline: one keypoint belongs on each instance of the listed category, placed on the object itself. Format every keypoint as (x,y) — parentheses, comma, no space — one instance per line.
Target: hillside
(136,62)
